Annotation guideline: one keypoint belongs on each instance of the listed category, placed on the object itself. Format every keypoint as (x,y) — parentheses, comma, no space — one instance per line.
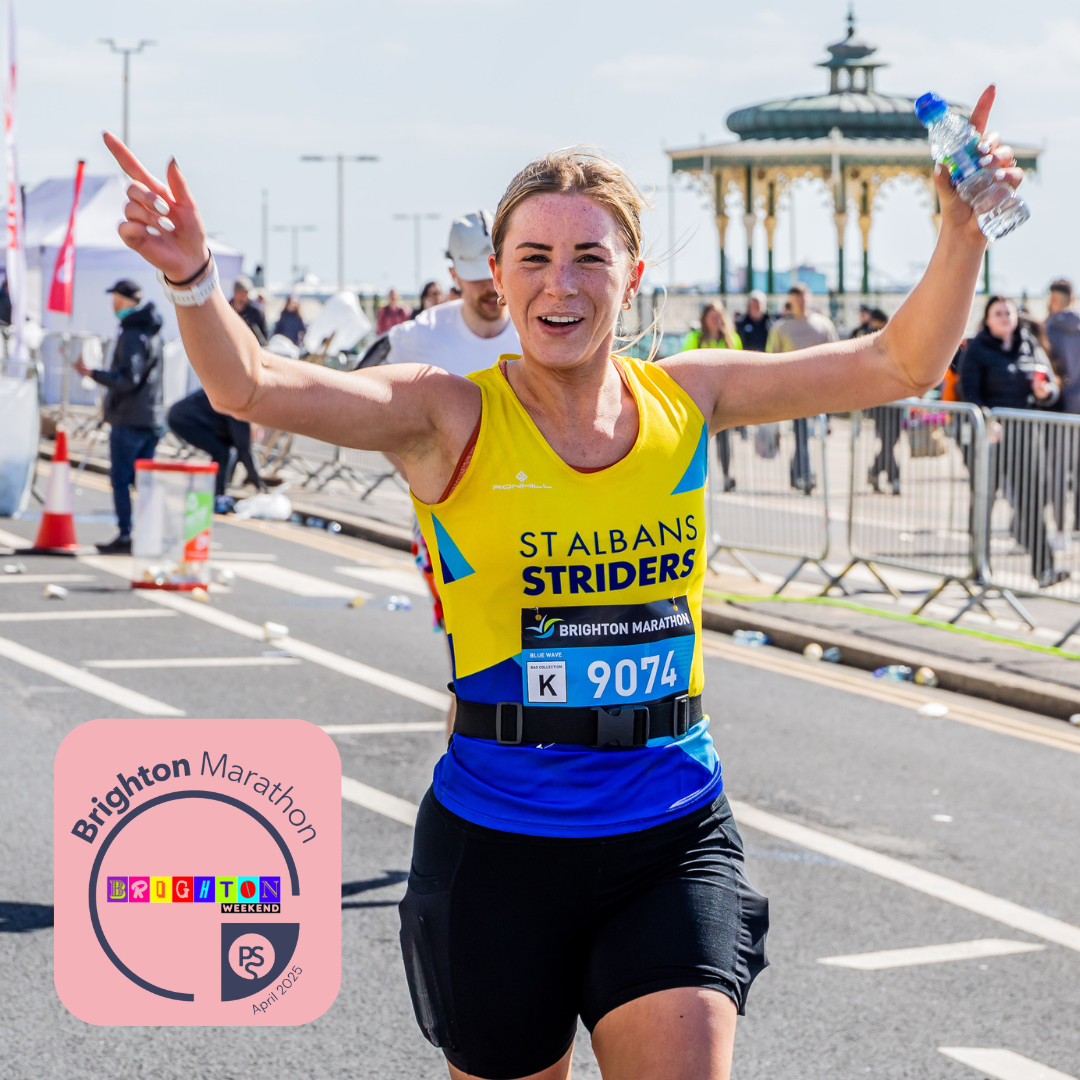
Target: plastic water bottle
(954,143)
(894,673)
(752,638)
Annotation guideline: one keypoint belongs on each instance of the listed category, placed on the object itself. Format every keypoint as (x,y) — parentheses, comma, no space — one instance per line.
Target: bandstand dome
(853,137)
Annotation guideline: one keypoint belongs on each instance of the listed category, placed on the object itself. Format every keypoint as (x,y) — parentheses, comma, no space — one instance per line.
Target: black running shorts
(507,939)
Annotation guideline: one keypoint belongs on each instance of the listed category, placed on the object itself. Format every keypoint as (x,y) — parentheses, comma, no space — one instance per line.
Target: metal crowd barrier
(917,498)
(320,462)
(768,492)
(1033,500)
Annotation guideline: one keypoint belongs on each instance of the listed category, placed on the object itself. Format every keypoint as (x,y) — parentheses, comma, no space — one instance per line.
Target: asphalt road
(986,798)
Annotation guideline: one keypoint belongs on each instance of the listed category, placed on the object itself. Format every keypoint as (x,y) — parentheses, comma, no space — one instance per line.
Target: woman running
(575,855)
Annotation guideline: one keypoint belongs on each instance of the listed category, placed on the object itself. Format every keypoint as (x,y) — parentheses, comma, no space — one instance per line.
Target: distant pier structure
(855,138)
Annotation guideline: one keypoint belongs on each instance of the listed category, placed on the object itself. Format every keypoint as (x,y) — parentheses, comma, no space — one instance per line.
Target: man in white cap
(463,335)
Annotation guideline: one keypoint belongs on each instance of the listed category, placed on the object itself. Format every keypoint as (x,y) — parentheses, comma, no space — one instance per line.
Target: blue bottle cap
(929,107)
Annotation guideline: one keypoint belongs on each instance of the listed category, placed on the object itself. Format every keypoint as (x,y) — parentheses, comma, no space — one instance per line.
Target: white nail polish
(1000,174)
(160,205)
(152,231)
(166,224)
(985,160)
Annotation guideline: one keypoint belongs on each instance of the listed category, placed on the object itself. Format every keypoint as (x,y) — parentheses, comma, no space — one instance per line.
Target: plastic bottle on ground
(831,655)
(894,673)
(954,143)
(752,638)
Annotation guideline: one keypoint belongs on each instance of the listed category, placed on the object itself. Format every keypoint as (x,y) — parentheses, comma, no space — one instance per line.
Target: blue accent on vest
(696,471)
(500,682)
(559,790)
(454,564)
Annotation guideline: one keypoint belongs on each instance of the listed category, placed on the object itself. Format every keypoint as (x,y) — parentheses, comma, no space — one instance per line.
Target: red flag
(63,279)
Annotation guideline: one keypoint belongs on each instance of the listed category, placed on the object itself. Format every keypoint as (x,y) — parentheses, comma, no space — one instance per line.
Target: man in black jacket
(133,404)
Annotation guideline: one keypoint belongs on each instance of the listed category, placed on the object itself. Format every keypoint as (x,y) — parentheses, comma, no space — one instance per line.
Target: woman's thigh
(685,1033)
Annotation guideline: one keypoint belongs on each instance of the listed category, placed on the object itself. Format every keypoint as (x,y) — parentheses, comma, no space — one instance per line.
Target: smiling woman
(575,855)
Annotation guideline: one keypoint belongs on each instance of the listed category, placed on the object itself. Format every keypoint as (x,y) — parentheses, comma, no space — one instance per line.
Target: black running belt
(511,723)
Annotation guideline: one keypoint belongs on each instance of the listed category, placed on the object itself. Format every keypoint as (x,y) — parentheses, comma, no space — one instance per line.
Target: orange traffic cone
(56,535)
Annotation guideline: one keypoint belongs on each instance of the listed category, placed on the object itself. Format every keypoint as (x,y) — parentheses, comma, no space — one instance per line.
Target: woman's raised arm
(424,415)
(907,358)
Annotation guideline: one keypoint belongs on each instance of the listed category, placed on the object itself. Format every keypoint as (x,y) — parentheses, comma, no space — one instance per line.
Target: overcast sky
(454,97)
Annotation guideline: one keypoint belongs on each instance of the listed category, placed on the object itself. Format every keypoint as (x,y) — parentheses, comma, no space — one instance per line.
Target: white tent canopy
(100,255)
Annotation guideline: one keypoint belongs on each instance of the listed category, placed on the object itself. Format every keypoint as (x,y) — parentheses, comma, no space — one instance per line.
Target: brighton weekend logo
(160,915)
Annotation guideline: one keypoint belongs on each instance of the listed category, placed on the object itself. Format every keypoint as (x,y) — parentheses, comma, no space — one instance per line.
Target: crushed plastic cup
(933,709)
(813,651)
(14,568)
(831,655)
(267,506)
(751,638)
(201,595)
(894,673)
(926,676)
(55,592)
(398,603)
(272,631)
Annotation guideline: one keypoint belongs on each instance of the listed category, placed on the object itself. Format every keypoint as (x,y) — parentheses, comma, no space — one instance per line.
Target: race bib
(613,655)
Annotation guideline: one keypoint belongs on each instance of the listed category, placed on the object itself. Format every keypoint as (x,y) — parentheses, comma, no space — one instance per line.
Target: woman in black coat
(1004,367)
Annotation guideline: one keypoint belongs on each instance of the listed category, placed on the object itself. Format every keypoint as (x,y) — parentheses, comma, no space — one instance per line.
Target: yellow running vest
(569,588)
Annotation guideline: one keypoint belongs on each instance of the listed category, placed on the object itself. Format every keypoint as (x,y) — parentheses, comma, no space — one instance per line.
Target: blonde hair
(577,170)
(727,327)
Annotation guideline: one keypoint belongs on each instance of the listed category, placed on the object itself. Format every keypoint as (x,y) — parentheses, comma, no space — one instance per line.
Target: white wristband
(195,295)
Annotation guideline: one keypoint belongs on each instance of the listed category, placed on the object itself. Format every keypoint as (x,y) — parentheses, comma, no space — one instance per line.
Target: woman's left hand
(995,156)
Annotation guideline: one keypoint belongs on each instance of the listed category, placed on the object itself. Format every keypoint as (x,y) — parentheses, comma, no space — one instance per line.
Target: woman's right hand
(163,223)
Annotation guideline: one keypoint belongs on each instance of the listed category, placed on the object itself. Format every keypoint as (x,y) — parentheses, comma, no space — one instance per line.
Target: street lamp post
(295,230)
(126,51)
(340,159)
(416,219)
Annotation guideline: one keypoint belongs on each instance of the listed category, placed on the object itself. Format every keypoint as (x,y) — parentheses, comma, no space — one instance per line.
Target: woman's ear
(496,274)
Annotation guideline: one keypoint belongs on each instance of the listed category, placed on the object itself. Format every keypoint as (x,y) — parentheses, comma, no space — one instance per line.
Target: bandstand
(856,139)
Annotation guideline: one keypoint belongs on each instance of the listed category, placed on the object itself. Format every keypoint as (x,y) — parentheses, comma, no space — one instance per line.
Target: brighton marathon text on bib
(609,655)
(197,872)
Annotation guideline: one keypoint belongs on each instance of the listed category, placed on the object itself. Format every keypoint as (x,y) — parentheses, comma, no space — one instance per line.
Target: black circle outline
(216,796)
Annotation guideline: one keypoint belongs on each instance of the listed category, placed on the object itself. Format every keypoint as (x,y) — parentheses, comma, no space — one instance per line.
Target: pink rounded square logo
(198,872)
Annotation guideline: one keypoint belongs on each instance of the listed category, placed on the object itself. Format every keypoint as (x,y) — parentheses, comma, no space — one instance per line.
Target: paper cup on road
(274,630)
(55,592)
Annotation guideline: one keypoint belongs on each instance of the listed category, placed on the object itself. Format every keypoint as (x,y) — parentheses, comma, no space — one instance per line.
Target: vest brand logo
(160,920)
(521,477)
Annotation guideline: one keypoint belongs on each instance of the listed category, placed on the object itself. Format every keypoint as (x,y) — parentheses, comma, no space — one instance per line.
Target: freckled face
(565,272)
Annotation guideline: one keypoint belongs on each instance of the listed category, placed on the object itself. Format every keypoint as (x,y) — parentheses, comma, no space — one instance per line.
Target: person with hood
(290,324)
(134,409)
(1063,330)
(1004,367)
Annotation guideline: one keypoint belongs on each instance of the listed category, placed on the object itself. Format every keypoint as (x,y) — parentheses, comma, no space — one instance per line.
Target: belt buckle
(680,715)
(516,706)
(620,728)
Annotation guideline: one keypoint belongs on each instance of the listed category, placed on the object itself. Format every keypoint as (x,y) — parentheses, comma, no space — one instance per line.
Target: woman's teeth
(560,320)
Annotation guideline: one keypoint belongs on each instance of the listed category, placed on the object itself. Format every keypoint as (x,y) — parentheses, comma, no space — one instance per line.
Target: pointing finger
(178,184)
(132,166)
(981,113)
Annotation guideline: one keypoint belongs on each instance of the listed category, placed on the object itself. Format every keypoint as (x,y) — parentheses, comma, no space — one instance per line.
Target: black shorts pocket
(425,924)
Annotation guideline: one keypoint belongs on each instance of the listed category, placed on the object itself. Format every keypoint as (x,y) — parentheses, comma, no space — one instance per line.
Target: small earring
(626,305)
(501,301)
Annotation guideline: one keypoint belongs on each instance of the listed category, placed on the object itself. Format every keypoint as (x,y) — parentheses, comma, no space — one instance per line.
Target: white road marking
(931,954)
(83,680)
(293,581)
(13,540)
(904,695)
(373,799)
(942,888)
(383,729)
(1002,1064)
(42,579)
(343,665)
(243,556)
(104,613)
(406,580)
(194,662)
